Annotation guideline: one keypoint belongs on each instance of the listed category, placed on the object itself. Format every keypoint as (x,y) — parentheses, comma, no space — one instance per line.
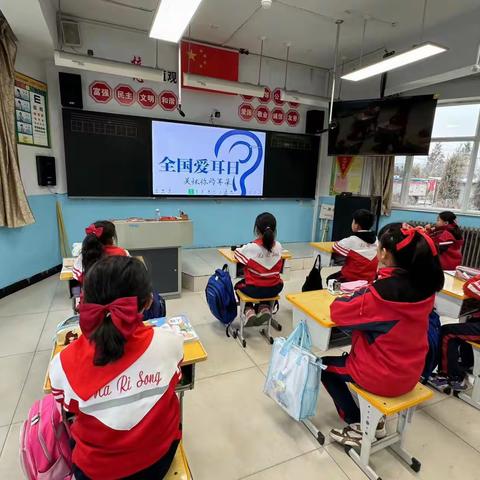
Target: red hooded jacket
(389,339)
(449,247)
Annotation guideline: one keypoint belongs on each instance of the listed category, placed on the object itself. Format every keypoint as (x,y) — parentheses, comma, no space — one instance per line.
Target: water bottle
(157,214)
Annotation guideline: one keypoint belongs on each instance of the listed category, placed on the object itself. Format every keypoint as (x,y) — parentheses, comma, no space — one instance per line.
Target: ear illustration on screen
(254,148)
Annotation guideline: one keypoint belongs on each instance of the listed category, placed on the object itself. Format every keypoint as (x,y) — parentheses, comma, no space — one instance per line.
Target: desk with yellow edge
(451,301)
(229,255)
(193,353)
(325,250)
(314,308)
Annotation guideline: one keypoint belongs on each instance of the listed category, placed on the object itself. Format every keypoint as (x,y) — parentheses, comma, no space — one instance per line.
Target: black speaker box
(345,206)
(70,90)
(46,172)
(315,119)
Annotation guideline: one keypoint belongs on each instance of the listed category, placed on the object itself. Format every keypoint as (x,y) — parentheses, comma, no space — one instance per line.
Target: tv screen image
(198,160)
(391,126)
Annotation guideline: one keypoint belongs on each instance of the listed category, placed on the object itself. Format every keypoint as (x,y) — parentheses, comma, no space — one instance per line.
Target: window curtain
(382,169)
(14,208)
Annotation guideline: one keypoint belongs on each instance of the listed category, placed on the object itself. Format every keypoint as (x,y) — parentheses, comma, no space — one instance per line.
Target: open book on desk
(179,324)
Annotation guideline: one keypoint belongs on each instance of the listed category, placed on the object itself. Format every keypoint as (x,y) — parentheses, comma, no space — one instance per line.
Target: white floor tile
(34,299)
(232,429)
(224,354)
(194,306)
(13,372)
(20,333)
(33,389)
(311,466)
(50,328)
(61,299)
(442,454)
(10,468)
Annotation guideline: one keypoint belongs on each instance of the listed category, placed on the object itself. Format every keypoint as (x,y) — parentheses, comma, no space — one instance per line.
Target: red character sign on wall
(124,94)
(294,104)
(168,100)
(278,116)
(267,96)
(245,112)
(277,96)
(262,114)
(248,98)
(293,117)
(100,91)
(146,97)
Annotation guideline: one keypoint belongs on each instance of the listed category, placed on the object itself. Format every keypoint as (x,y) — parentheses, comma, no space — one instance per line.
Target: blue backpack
(158,308)
(220,296)
(434,339)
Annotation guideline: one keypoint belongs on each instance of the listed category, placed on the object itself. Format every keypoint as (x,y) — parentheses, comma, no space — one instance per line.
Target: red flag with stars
(201,59)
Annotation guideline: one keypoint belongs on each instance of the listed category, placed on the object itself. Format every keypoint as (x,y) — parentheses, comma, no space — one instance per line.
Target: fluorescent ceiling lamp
(101,65)
(413,55)
(172,18)
(304,99)
(225,86)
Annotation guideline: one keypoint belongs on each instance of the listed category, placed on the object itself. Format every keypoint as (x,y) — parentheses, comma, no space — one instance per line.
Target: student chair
(238,332)
(473,398)
(179,469)
(372,409)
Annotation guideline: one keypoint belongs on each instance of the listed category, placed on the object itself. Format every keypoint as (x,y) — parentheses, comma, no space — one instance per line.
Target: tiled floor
(232,431)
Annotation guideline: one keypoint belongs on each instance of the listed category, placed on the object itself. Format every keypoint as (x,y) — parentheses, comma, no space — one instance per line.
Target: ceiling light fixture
(304,99)
(172,18)
(225,86)
(415,54)
(111,67)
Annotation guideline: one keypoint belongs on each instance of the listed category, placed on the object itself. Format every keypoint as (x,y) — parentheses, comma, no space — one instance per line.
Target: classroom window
(449,176)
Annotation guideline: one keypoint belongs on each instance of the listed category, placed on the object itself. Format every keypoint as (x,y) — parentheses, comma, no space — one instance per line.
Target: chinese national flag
(200,59)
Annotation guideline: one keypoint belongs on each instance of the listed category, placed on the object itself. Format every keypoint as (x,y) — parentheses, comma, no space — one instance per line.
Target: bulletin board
(31,111)
(347,172)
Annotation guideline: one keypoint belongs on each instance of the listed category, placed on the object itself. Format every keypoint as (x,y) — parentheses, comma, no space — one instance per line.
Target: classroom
(239,239)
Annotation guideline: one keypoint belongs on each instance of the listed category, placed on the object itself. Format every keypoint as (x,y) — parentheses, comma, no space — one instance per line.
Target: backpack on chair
(45,452)
(220,296)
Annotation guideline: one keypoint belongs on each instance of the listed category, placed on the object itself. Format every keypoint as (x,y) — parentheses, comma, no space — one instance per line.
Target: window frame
(474,158)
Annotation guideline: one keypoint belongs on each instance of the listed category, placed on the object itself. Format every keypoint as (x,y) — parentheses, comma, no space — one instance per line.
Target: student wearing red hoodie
(449,240)
(100,241)
(389,324)
(119,378)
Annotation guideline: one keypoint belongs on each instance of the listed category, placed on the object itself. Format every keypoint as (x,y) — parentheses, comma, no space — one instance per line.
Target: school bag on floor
(434,340)
(314,278)
(293,379)
(45,452)
(220,296)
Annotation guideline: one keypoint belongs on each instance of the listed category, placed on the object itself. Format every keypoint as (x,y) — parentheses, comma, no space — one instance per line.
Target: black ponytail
(451,219)
(416,258)
(266,226)
(107,280)
(92,246)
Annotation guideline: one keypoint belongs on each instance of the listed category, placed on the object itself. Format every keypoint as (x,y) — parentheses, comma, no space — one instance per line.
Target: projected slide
(201,160)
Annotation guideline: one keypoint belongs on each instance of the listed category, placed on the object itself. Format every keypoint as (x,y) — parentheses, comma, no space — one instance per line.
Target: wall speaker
(70,89)
(70,33)
(315,119)
(46,172)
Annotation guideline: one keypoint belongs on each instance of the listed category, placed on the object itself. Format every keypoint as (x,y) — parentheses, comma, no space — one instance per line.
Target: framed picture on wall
(347,172)
(31,111)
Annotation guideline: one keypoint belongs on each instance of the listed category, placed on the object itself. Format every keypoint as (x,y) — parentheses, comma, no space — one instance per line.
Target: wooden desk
(325,249)
(232,262)
(314,307)
(450,300)
(193,353)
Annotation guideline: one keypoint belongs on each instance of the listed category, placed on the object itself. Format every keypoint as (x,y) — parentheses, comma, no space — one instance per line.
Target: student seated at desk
(449,240)
(99,242)
(358,253)
(389,321)
(263,263)
(456,355)
(119,378)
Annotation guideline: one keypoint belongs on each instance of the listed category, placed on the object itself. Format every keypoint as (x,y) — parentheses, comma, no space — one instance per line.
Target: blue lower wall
(29,250)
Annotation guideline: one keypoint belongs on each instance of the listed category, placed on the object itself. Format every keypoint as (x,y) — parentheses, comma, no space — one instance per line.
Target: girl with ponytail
(118,379)
(263,263)
(100,241)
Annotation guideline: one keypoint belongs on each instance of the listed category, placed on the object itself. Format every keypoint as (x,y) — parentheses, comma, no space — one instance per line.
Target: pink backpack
(45,452)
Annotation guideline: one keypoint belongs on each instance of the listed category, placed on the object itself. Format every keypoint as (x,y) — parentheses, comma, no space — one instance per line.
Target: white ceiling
(307,24)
